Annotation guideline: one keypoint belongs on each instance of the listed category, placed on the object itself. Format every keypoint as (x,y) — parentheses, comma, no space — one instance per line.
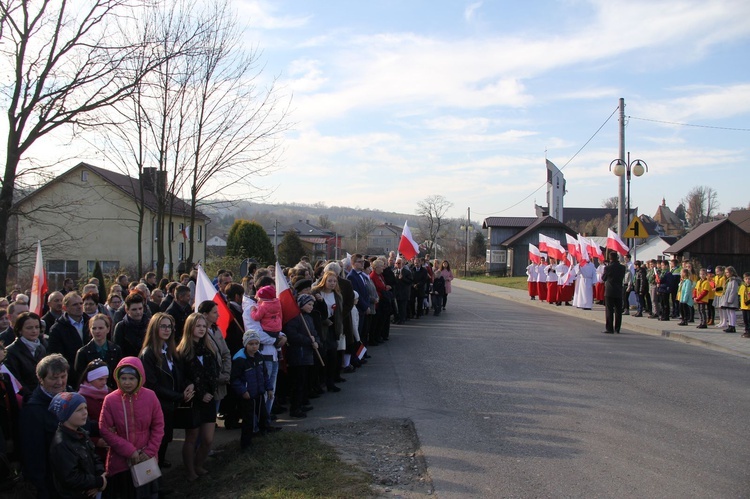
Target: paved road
(511,400)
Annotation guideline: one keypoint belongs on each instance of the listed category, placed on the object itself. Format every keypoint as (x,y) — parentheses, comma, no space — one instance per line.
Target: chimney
(154,179)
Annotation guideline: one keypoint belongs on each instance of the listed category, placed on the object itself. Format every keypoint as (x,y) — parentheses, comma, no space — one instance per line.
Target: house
(721,242)
(383,238)
(654,248)
(89,213)
(320,242)
(508,240)
(217,246)
(668,220)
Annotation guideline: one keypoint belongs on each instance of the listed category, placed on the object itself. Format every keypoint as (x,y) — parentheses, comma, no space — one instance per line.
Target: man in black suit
(613,275)
(71,331)
(180,309)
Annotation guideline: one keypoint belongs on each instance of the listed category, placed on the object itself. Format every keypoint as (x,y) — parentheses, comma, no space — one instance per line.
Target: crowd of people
(661,289)
(95,385)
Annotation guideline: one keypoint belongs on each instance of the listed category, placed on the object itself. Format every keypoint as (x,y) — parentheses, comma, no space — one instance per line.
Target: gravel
(387,449)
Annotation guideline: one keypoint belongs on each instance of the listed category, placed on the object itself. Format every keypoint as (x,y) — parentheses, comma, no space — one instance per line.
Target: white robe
(586,286)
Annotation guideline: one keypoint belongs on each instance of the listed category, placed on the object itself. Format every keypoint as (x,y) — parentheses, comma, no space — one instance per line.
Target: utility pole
(621,215)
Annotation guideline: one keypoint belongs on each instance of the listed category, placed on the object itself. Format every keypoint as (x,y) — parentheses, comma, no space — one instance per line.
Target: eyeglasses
(166,327)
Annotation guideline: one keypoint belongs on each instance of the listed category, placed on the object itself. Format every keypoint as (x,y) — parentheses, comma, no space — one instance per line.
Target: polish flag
(555,249)
(585,249)
(289,307)
(205,291)
(542,242)
(615,243)
(573,247)
(407,246)
(39,287)
(185,232)
(534,254)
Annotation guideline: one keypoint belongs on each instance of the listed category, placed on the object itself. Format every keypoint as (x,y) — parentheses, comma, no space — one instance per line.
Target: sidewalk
(712,338)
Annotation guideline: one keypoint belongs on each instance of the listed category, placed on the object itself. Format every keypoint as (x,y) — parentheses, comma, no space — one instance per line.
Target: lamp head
(619,168)
(639,168)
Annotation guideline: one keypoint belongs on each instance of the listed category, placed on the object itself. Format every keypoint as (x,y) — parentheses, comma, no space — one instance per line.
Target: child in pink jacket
(268,311)
(132,423)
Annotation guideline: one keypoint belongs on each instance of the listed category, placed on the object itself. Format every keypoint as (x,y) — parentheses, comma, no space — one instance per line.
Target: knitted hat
(304,299)
(128,370)
(266,293)
(64,404)
(250,336)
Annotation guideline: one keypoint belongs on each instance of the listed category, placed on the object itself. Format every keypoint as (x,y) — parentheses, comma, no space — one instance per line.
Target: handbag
(185,417)
(146,471)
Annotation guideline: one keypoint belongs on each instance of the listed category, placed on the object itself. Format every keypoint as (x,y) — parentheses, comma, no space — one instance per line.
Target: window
(110,267)
(171,231)
(84,176)
(59,270)
(180,251)
(200,233)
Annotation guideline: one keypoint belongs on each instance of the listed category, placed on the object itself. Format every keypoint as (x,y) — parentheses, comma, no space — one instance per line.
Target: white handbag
(144,472)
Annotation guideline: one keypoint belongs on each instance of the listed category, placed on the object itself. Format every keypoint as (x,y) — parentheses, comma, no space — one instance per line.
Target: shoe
(313,396)
(665,320)
(366,356)
(626,313)
(567,304)
(617,331)
(278,409)
(273,429)
(306,408)
(165,464)
(297,414)
(340,380)
(701,326)
(746,335)
(639,314)
(348,370)
(653,316)
(730,329)
(683,323)
(334,389)
(710,322)
(608,332)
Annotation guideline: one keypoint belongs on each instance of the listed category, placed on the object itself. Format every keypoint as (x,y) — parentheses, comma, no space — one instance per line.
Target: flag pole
(313,340)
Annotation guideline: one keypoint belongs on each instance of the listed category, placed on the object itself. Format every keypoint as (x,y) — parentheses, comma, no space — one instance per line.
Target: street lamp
(467,227)
(621,168)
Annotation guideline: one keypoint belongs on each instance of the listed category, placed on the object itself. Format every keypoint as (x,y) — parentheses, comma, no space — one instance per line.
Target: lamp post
(466,228)
(621,168)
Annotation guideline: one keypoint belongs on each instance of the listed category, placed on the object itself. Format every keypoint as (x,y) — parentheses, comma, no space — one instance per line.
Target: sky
(395,101)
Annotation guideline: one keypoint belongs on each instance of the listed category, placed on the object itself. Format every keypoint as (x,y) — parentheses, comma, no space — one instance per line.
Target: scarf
(31,345)
(91,392)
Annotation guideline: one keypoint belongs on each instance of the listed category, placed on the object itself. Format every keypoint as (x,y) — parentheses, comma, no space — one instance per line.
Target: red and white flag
(185,232)
(408,246)
(555,249)
(39,286)
(289,307)
(534,254)
(585,251)
(573,247)
(615,243)
(205,291)
(542,242)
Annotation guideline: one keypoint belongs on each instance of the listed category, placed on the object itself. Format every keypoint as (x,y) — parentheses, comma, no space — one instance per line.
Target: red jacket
(142,413)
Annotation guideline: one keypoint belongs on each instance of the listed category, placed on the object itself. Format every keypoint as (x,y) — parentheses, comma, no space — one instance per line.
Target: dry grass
(508,282)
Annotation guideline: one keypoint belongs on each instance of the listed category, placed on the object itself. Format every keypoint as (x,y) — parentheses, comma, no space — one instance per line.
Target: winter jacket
(129,335)
(22,364)
(701,291)
(223,359)
(64,339)
(37,429)
(641,281)
(268,313)
(88,352)
(249,375)
(299,351)
(744,297)
(131,422)
(732,294)
(685,292)
(76,468)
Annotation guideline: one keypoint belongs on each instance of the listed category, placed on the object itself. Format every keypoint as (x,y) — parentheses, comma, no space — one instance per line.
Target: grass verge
(282,465)
(508,282)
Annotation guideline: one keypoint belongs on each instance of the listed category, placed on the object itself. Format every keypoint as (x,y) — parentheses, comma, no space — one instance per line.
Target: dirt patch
(387,449)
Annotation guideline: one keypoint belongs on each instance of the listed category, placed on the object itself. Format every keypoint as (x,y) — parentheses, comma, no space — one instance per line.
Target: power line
(561,168)
(690,124)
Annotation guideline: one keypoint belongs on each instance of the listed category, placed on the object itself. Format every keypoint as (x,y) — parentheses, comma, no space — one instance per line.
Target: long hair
(153,340)
(320,286)
(186,348)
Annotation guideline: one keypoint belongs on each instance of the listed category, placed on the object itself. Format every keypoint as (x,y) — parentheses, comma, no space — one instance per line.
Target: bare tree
(610,203)
(67,62)
(701,204)
(432,212)
(361,230)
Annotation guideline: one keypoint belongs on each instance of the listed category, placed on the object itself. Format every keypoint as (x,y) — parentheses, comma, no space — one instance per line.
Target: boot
(710,322)
(730,329)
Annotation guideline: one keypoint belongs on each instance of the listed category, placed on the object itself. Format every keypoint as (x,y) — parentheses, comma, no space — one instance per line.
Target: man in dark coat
(180,309)
(71,331)
(403,288)
(130,332)
(55,303)
(420,279)
(613,275)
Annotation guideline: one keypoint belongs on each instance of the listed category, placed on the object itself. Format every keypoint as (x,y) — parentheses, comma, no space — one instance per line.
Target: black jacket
(179,314)
(76,468)
(88,352)
(129,336)
(23,366)
(167,384)
(37,429)
(612,277)
(64,338)
(403,283)
(299,351)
